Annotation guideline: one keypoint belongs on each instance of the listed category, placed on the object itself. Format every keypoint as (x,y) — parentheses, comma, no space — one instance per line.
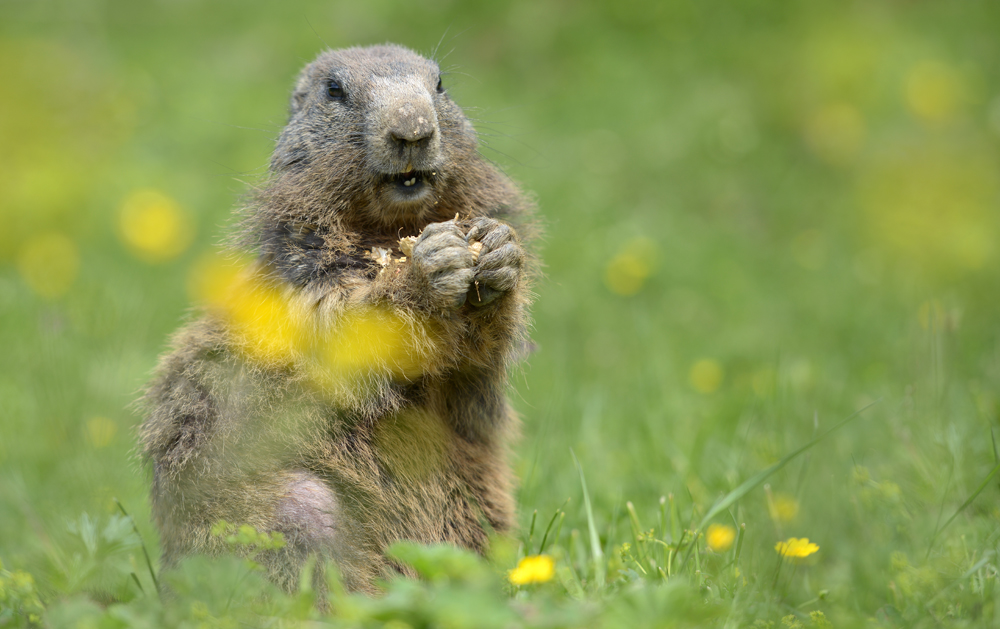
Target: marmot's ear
(295,104)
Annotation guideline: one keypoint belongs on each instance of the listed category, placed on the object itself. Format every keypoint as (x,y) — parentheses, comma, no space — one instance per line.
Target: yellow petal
(533,569)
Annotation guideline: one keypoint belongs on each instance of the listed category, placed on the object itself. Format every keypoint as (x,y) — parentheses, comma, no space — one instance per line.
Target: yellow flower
(783,508)
(934,91)
(100,431)
(339,355)
(153,226)
(49,264)
(836,132)
(796,547)
(627,272)
(720,537)
(533,569)
(706,375)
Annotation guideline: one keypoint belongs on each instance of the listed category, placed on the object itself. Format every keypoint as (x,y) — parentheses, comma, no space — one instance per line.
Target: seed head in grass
(719,537)
(795,547)
(533,569)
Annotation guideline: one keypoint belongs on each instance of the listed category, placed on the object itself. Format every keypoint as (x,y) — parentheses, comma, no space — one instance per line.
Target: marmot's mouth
(412,181)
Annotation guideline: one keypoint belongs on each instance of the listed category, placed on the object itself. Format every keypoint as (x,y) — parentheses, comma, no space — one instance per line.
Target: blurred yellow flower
(719,537)
(100,431)
(933,91)
(274,325)
(260,313)
(783,508)
(211,277)
(627,272)
(706,375)
(795,547)
(932,206)
(835,132)
(49,264)
(533,569)
(153,226)
(373,338)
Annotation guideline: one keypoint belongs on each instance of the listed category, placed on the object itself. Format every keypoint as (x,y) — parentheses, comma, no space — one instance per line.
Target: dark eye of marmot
(440,87)
(334,90)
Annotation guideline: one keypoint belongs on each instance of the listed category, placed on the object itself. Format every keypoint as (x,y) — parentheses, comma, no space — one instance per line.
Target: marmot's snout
(412,123)
(408,138)
(407,141)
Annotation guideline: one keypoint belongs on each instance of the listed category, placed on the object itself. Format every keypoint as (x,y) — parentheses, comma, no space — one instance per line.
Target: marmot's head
(373,138)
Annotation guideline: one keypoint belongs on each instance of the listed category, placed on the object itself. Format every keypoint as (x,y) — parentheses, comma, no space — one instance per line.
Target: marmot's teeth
(410,182)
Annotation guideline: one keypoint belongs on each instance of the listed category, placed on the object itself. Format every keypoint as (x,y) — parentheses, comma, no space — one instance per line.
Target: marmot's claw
(482,295)
(500,260)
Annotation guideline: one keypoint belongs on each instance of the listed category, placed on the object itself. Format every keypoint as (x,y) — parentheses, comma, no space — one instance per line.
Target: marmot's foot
(498,268)
(441,254)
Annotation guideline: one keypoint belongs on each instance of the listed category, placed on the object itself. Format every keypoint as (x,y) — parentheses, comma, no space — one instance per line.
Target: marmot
(357,395)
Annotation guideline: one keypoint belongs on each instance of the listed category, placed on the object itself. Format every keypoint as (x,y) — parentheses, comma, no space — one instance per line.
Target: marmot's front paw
(498,268)
(441,255)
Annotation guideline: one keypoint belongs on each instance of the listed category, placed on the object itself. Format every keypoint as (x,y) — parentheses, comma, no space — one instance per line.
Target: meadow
(769,313)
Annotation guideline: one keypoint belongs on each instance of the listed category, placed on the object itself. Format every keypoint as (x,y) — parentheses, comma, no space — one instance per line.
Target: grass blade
(675,522)
(758,478)
(739,549)
(965,504)
(597,555)
(637,532)
(968,573)
(993,437)
(142,543)
(548,529)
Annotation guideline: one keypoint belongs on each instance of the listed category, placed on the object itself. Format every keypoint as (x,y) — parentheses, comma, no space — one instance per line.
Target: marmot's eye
(440,87)
(334,90)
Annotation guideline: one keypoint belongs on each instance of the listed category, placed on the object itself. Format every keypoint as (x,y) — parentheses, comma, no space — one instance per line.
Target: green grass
(802,199)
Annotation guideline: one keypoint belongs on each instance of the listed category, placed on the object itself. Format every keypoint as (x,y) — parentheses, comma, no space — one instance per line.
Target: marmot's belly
(406,477)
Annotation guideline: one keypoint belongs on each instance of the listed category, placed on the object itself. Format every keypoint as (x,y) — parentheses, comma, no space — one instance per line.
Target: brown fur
(345,467)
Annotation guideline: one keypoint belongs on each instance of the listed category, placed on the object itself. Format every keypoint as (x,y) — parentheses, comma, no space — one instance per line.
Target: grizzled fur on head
(364,120)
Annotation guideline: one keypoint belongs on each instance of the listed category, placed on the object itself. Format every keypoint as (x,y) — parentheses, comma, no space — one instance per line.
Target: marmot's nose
(411,123)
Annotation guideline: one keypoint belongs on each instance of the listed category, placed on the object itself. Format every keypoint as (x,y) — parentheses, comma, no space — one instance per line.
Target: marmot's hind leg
(307,514)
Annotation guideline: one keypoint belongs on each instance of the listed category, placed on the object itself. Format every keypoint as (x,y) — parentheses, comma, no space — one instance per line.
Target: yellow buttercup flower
(49,264)
(720,537)
(706,375)
(153,226)
(934,91)
(783,507)
(100,431)
(795,547)
(273,326)
(627,272)
(533,569)
(836,132)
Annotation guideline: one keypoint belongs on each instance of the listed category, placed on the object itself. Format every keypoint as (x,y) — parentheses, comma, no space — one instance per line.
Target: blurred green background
(761,216)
